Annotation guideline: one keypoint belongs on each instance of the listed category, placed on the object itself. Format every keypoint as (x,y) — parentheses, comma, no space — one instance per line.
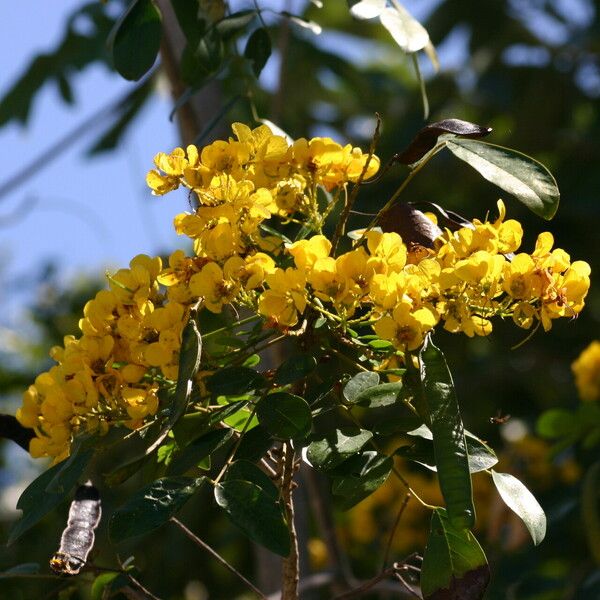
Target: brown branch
(291,565)
(216,556)
(135,582)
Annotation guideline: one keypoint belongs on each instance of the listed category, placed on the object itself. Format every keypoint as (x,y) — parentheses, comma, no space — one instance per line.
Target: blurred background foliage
(528,68)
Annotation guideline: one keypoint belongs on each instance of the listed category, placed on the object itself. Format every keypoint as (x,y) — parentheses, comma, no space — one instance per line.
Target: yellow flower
(587,372)
(406,329)
(216,285)
(285,298)
(307,252)
(388,251)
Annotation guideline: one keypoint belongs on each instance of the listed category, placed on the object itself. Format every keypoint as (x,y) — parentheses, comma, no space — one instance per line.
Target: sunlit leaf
(518,174)
(358,384)
(523,503)
(407,32)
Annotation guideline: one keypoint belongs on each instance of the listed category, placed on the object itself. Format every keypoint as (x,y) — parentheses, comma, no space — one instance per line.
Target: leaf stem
(217,556)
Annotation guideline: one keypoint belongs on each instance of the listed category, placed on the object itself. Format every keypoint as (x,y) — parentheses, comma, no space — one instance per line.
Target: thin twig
(135,582)
(388,547)
(339,230)
(291,562)
(217,556)
(358,591)
(405,585)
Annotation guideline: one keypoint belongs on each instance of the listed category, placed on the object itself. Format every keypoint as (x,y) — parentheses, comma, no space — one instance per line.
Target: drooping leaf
(427,138)
(334,448)
(285,416)
(258,50)
(407,32)
(135,39)
(189,363)
(410,223)
(232,381)
(11,429)
(359,383)
(191,19)
(359,477)
(255,512)
(523,503)
(481,456)
(454,565)
(437,404)
(151,507)
(518,174)
(47,491)
(198,450)
(294,369)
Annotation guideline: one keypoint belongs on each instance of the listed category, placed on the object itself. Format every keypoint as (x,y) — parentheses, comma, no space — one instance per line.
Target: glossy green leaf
(151,507)
(523,503)
(197,451)
(294,369)
(47,491)
(254,444)
(381,395)
(285,416)
(454,565)
(518,174)
(361,382)
(401,424)
(438,406)
(234,381)
(481,456)
(135,40)
(258,50)
(359,477)
(103,584)
(329,451)
(255,512)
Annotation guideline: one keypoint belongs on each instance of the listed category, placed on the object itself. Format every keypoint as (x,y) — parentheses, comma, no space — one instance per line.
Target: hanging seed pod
(77,539)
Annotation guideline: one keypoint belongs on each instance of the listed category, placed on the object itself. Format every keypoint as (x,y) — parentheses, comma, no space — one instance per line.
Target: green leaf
(232,381)
(481,456)
(590,508)
(151,507)
(523,503)
(402,424)
(438,406)
(329,451)
(557,423)
(294,369)
(198,450)
(454,565)
(258,50)
(359,383)
(359,477)
(191,19)
(135,40)
(254,444)
(284,416)
(385,394)
(123,472)
(103,584)
(37,500)
(255,512)
(516,173)
(189,363)
(244,470)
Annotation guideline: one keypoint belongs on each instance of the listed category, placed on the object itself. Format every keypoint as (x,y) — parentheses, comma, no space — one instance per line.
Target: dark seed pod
(412,225)
(77,539)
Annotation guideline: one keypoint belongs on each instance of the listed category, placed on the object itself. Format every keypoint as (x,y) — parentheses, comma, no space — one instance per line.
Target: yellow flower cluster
(470,276)
(586,369)
(239,183)
(130,338)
